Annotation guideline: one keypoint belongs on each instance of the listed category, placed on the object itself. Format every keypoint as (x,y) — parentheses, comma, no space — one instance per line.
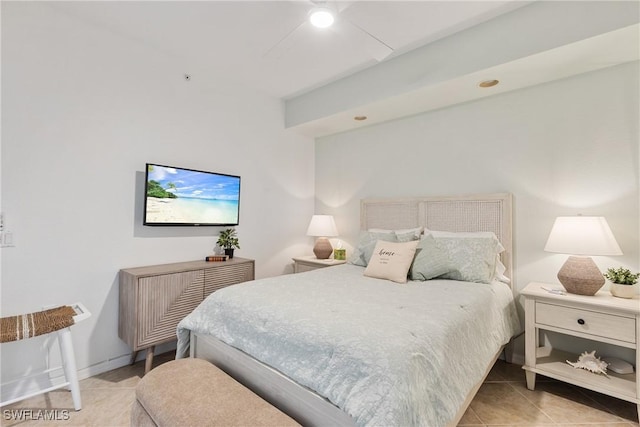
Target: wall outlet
(6,239)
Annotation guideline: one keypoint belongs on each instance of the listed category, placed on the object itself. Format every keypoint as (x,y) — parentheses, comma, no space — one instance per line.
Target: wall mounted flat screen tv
(186,197)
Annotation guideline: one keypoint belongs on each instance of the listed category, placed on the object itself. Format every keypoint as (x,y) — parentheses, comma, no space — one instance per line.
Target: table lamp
(322,226)
(581,235)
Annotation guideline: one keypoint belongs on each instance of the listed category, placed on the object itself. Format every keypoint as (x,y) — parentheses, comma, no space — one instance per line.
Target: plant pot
(622,291)
(229,252)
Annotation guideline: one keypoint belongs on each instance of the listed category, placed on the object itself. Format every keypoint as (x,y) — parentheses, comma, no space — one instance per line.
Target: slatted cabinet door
(218,278)
(164,301)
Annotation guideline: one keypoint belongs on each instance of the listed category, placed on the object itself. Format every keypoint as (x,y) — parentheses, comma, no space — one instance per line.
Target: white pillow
(391,260)
(500,270)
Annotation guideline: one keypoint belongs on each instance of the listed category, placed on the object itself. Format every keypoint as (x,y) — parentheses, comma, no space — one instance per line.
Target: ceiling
(593,53)
(267,46)
(264,45)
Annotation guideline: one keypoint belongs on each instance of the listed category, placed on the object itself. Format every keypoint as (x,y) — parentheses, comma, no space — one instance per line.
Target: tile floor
(503,400)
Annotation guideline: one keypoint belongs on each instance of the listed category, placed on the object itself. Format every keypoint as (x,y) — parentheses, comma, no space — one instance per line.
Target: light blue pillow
(407,236)
(473,259)
(403,235)
(366,244)
(431,260)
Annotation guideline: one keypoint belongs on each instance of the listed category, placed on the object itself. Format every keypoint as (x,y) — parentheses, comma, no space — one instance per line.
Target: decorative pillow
(366,243)
(408,236)
(391,260)
(466,234)
(431,260)
(403,235)
(482,263)
(461,234)
(473,259)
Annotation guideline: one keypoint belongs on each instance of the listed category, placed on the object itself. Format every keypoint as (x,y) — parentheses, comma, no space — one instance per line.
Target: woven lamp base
(322,248)
(580,275)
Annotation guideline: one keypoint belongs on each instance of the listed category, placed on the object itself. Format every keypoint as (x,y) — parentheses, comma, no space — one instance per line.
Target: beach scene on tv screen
(182,196)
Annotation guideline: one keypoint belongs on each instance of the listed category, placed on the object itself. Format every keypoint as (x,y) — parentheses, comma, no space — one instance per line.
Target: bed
(335,347)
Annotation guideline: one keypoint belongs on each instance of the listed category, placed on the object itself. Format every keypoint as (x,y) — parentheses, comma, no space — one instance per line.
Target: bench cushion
(195,392)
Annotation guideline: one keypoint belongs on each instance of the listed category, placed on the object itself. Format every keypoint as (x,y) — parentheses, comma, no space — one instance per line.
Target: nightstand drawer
(587,322)
(308,263)
(301,268)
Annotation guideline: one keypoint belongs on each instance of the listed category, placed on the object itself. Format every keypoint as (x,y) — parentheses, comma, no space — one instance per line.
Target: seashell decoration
(591,363)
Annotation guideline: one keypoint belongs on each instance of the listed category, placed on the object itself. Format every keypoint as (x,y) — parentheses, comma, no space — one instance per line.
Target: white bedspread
(388,354)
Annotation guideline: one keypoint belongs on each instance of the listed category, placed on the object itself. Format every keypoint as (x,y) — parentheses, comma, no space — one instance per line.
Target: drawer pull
(581,321)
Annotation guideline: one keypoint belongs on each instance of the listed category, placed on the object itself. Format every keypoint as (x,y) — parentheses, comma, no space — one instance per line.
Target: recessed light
(321,17)
(360,118)
(489,83)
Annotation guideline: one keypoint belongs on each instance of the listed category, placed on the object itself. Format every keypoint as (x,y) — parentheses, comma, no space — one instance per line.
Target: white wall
(561,148)
(83,110)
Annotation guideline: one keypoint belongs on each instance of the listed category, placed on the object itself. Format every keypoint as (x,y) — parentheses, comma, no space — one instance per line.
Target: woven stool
(193,392)
(58,320)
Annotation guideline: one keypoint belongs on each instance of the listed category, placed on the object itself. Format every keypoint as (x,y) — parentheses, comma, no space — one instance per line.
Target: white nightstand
(602,318)
(307,263)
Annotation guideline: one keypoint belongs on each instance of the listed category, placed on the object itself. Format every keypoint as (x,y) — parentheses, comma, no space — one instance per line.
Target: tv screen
(178,196)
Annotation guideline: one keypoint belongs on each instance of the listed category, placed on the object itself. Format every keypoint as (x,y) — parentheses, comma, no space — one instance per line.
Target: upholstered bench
(193,392)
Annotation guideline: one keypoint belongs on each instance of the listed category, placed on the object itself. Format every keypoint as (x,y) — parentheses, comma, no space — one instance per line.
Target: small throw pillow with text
(391,260)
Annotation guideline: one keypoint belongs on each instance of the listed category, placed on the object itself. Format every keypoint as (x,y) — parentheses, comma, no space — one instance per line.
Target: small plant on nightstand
(228,240)
(622,281)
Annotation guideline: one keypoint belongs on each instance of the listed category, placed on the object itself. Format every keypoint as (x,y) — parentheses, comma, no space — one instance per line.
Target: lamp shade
(582,235)
(322,226)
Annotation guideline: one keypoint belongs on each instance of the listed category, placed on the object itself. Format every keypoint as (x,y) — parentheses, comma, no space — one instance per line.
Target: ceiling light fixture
(489,83)
(321,17)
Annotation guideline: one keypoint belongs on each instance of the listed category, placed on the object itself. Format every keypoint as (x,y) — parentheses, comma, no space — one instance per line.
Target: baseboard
(53,377)
(30,384)
(517,359)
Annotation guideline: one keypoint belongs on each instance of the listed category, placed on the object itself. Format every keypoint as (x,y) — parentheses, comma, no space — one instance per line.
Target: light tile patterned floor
(503,400)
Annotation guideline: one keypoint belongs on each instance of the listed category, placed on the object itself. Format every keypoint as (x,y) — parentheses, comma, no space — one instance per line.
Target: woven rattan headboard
(474,212)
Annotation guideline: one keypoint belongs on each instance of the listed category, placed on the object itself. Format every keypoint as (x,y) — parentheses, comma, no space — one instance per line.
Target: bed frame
(477,212)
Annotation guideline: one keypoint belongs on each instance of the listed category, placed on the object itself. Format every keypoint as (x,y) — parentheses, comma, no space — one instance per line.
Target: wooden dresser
(153,299)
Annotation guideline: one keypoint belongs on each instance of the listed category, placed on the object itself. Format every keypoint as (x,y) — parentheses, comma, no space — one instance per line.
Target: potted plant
(622,281)
(228,240)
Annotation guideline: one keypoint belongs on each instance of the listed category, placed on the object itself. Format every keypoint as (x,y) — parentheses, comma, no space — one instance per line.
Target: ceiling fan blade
(341,6)
(287,42)
(375,47)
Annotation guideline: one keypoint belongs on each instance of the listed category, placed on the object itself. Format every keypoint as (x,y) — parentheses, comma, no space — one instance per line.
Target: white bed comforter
(388,354)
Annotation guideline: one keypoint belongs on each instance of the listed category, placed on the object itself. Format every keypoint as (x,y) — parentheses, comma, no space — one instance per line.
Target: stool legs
(69,365)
